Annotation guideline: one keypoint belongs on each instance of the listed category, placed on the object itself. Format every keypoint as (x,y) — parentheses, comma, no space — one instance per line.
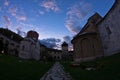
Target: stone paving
(56,73)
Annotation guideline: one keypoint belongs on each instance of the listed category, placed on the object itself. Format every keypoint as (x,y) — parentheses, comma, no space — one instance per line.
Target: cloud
(73,26)
(21,17)
(50,5)
(7,21)
(75,15)
(29,25)
(18,28)
(20,31)
(6,3)
(17,14)
(51,42)
(13,11)
(67,39)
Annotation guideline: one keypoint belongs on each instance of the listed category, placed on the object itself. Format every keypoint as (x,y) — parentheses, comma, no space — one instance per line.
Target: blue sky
(58,19)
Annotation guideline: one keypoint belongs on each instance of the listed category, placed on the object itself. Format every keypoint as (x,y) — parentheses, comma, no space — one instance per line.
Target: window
(108,30)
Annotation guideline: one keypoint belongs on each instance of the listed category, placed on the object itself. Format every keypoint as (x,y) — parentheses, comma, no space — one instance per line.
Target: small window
(108,30)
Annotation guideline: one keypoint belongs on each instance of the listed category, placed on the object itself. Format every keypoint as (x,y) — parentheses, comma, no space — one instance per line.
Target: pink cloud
(72,26)
(75,14)
(79,10)
(13,11)
(6,3)
(18,15)
(50,5)
(28,25)
(21,17)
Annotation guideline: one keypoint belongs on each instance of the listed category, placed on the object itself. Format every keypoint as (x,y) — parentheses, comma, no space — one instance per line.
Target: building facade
(86,43)
(55,54)
(99,37)
(10,42)
(65,52)
(109,30)
(30,46)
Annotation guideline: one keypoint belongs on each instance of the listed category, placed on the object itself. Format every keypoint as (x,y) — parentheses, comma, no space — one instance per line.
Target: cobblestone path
(56,73)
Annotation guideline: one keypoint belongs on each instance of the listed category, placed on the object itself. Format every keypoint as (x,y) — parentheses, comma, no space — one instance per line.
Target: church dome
(33,34)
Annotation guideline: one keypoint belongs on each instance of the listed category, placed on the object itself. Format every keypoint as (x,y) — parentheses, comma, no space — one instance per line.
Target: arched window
(108,30)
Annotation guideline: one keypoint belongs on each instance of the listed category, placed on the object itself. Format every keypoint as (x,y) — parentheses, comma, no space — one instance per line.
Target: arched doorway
(86,48)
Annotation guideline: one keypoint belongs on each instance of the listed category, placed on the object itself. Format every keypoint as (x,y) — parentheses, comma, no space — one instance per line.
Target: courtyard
(14,68)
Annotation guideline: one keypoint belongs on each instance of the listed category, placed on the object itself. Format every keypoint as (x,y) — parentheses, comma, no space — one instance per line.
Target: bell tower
(64,47)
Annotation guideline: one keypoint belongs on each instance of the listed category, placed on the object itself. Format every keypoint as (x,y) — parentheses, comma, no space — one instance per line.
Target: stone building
(10,42)
(43,52)
(64,47)
(49,54)
(86,43)
(14,44)
(54,54)
(65,53)
(100,36)
(109,30)
(30,46)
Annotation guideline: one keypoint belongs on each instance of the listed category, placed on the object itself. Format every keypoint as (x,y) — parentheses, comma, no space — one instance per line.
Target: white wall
(111,42)
(31,49)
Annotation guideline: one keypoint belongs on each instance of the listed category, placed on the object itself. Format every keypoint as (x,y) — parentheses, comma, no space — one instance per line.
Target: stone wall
(109,29)
(87,44)
(29,49)
(11,46)
(87,47)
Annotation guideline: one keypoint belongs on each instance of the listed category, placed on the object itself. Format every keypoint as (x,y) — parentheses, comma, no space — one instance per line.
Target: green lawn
(110,69)
(12,68)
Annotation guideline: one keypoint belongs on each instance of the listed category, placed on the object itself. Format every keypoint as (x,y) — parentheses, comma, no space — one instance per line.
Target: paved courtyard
(56,73)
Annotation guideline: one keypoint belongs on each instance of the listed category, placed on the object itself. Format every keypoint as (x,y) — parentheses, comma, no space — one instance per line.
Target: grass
(110,69)
(15,69)
(12,68)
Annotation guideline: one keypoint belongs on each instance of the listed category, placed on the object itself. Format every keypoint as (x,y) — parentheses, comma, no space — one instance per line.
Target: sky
(55,20)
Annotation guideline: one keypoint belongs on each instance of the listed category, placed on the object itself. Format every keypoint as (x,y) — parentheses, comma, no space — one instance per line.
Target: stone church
(85,41)
(99,37)
(30,46)
(109,30)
